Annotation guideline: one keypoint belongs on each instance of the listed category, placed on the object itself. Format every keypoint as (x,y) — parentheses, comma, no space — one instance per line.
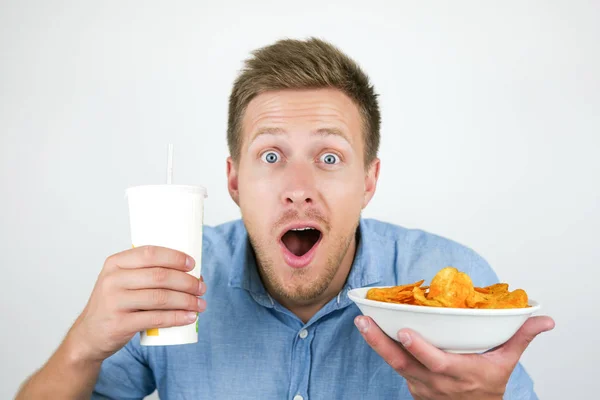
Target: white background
(491,125)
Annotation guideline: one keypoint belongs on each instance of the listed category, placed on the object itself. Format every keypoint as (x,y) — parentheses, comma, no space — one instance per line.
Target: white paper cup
(168,216)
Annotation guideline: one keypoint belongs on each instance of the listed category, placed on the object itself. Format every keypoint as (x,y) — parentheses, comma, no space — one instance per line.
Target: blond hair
(297,64)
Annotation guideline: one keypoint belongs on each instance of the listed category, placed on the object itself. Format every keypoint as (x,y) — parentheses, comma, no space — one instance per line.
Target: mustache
(294,215)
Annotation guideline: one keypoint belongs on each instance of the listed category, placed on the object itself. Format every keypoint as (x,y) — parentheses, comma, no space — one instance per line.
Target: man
(303,136)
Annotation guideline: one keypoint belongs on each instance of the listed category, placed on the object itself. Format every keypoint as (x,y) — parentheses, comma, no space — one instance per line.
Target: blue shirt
(251,347)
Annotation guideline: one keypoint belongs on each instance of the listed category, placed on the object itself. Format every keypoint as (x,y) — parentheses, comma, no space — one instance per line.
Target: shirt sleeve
(125,375)
(520,384)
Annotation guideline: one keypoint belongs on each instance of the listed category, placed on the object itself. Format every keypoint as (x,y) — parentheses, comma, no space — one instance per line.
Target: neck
(305,311)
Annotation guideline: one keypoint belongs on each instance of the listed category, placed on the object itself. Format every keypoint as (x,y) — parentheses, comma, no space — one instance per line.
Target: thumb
(517,344)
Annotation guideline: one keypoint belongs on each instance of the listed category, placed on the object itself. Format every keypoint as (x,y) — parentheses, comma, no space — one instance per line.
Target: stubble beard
(299,290)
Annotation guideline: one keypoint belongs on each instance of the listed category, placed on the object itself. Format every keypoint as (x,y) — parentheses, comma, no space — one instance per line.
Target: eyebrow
(324,132)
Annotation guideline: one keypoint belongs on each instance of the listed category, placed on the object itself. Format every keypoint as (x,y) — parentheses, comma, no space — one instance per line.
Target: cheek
(257,193)
(343,193)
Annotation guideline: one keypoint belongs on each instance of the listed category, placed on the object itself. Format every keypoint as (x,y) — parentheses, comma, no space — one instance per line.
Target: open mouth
(300,241)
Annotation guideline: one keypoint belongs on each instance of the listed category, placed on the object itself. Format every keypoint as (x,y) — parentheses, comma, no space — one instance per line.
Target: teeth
(303,229)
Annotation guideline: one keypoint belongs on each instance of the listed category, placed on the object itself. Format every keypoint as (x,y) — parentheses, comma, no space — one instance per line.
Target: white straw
(170,165)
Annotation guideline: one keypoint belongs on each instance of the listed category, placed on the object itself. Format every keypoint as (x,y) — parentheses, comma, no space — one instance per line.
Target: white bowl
(455,330)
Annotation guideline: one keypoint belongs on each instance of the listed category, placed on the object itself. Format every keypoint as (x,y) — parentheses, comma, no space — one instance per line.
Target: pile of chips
(452,288)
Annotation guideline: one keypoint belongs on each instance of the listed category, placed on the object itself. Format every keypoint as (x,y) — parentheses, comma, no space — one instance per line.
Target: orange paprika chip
(454,289)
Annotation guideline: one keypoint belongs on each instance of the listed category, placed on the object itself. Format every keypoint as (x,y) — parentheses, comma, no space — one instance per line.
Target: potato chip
(421,300)
(452,288)
(494,289)
(515,299)
(475,298)
(395,294)
(389,296)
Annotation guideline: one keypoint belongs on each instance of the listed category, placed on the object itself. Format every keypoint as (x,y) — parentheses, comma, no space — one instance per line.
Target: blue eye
(330,159)
(270,157)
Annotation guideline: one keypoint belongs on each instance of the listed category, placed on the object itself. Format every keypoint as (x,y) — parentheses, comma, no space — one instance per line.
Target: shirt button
(303,334)
(298,397)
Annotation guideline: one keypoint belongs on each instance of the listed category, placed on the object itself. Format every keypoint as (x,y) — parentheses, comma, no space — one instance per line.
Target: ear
(371,181)
(232,180)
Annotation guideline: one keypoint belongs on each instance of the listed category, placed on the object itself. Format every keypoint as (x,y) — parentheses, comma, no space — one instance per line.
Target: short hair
(303,64)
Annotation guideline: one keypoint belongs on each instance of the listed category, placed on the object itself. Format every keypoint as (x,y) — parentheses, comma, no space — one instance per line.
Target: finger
(158,277)
(151,256)
(516,345)
(142,320)
(434,359)
(160,299)
(389,350)
(412,387)
(202,286)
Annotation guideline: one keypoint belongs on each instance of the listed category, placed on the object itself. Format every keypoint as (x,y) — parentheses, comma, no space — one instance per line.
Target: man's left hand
(434,374)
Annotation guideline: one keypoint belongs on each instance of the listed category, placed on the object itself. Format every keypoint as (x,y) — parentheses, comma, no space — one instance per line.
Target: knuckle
(416,389)
(149,253)
(192,284)
(110,260)
(528,339)
(157,320)
(107,281)
(192,302)
(443,388)
(179,258)
(159,297)
(439,367)
(436,387)
(178,318)
(373,341)
(108,284)
(396,363)
(159,276)
(469,386)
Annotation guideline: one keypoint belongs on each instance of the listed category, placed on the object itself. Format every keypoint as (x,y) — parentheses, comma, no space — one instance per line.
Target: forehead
(303,111)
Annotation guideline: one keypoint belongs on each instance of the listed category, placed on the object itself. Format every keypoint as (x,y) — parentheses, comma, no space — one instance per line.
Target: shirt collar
(244,271)
(366,268)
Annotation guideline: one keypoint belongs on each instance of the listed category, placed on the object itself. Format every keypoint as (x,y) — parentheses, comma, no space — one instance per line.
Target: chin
(300,285)
(299,258)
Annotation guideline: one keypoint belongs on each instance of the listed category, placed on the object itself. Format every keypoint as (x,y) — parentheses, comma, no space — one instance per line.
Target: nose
(298,197)
(300,187)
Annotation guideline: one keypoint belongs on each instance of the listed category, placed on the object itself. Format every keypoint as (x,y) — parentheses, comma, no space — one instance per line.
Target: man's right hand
(142,288)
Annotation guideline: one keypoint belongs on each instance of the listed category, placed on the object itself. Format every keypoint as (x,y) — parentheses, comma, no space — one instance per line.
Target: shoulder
(422,253)
(416,239)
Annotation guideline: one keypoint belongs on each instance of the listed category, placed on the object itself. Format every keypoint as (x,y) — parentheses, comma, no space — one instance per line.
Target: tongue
(300,242)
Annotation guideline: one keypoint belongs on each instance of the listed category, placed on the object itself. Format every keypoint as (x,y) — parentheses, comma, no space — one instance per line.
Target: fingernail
(201,304)
(201,287)
(189,262)
(362,324)
(404,338)
(191,316)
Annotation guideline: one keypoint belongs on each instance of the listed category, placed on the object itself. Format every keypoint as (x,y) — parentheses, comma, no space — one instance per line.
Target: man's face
(301,184)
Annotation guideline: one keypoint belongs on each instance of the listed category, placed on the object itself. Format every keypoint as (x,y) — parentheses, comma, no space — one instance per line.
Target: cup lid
(165,188)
